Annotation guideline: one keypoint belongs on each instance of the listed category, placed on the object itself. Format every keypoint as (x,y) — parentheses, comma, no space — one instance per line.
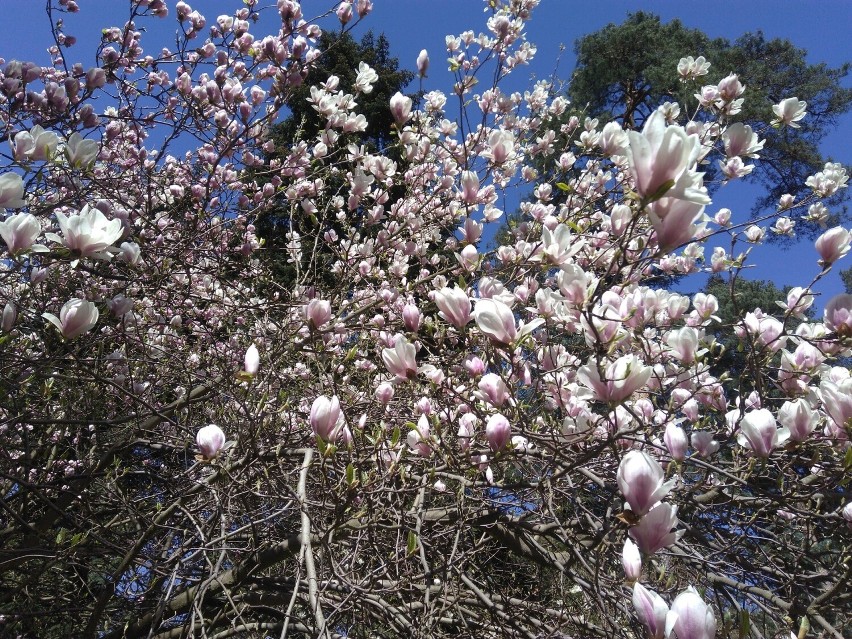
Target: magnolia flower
(653,612)
(498,432)
(88,233)
(251,361)
(326,418)
(640,479)
(19,232)
(661,160)
(210,440)
(654,530)
(80,151)
(617,381)
(10,314)
(631,561)
(799,418)
(400,106)
(365,79)
(676,441)
(833,245)
(674,221)
(317,312)
(837,315)
(789,112)
(75,318)
(35,145)
(11,191)
(418,439)
(702,441)
(694,618)
(495,319)
(422,63)
(493,390)
(400,360)
(760,434)
(453,305)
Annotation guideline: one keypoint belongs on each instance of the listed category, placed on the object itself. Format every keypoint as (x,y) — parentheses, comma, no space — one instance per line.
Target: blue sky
(821,27)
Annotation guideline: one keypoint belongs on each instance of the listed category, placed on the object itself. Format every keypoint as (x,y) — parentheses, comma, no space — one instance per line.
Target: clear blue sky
(821,27)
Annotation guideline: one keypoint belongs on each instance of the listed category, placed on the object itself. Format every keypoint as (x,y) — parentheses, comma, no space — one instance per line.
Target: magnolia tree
(447,441)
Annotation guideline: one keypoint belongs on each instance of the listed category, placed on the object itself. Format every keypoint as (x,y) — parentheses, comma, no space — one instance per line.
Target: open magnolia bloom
(88,233)
(662,159)
(75,318)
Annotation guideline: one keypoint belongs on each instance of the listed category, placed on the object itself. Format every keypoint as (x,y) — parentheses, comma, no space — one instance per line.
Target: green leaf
(412,542)
(563,187)
(745,623)
(396,434)
(350,474)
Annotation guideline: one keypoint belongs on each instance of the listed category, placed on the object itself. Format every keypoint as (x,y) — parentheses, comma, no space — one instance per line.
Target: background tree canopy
(624,72)
(340,57)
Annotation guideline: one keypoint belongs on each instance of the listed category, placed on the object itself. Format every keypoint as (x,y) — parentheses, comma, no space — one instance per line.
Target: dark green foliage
(625,71)
(737,297)
(340,56)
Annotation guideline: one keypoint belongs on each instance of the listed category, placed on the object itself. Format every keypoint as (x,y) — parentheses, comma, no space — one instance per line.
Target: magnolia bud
(210,440)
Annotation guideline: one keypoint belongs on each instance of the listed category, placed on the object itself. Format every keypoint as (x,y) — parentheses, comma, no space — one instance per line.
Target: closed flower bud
(631,561)
(210,440)
(10,314)
(640,480)
(498,432)
(326,417)
(252,360)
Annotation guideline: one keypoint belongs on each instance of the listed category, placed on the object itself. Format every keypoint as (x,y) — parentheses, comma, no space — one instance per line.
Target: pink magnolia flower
(384,393)
(400,106)
(419,438)
(453,305)
(469,187)
(631,561)
(10,314)
(411,317)
(317,312)
(88,233)
(210,440)
(789,111)
(653,612)
(80,151)
(496,320)
(35,145)
(400,360)
(326,418)
(760,434)
(640,479)
(422,63)
(799,418)
(654,530)
(498,432)
(833,245)
(695,619)
(493,390)
(617,381)
(661,160)
(11,191)
(837,315)
(676,441)
(75,318)
(674,221)
(19,232)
